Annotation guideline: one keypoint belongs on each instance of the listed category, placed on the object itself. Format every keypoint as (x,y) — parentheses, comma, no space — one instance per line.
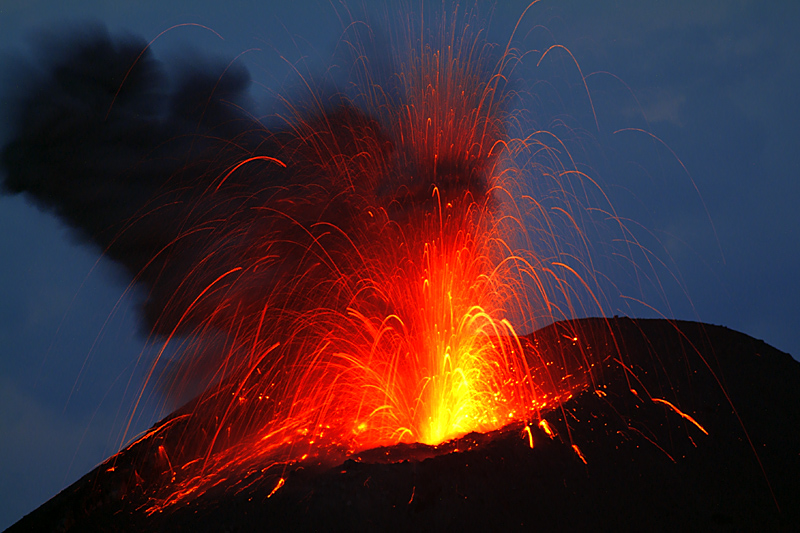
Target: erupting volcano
(356,271)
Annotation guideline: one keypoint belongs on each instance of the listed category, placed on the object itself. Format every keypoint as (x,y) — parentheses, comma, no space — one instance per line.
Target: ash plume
(213,212)
(127,153)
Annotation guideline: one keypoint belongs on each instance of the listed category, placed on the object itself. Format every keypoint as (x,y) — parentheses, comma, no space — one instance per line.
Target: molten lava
(374,304)
(347,274)
(352,273)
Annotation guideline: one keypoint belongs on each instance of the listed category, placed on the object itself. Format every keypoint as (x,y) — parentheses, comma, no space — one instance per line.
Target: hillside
(687,426)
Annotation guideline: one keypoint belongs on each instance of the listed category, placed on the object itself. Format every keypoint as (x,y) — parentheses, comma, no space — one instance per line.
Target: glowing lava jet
(348,278)
(369,301)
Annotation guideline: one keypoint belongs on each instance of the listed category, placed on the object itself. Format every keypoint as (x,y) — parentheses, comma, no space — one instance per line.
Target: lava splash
(350,273)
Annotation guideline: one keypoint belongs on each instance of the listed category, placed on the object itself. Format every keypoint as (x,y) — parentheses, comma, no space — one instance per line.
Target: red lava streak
(395,264)
(369,297)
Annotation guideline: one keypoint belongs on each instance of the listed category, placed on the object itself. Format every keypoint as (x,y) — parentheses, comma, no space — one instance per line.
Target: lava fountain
(347,275)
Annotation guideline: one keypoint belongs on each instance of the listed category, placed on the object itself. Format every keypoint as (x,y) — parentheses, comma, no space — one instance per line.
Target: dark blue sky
(714,80)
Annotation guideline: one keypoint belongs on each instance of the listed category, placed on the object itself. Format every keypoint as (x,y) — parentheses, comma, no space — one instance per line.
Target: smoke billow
(340,275)
(228,223)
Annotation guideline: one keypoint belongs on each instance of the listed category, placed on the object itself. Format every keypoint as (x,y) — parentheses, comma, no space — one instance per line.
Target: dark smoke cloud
(103,140)
(134,156)
(236,228)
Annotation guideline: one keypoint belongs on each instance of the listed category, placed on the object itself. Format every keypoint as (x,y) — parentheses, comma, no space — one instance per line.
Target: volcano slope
(649,465)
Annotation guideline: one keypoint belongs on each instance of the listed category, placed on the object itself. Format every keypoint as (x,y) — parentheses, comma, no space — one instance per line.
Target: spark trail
(347,275)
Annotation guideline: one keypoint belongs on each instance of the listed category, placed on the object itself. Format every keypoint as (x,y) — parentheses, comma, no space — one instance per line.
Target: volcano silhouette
(648,467)
(226,223)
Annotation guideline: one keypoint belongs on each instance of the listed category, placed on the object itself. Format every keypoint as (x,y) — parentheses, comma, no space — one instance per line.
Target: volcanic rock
(684,427)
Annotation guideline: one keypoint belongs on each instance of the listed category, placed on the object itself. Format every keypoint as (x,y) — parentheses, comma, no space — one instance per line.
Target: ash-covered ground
(648,467)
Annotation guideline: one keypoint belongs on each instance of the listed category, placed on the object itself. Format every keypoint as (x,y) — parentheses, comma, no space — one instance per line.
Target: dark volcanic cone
(649,466)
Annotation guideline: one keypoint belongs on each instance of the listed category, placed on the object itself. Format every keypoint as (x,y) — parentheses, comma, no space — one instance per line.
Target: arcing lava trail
(350,273)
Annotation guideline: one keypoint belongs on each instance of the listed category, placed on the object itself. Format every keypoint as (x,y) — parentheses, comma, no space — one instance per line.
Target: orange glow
(388,313)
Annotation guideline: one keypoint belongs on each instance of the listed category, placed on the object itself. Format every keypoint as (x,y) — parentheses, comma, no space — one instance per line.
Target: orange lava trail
(374,299)
(681,413)
(280,483)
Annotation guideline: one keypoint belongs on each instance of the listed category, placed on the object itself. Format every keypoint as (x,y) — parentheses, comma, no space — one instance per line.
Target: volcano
(714,446)
(342,282)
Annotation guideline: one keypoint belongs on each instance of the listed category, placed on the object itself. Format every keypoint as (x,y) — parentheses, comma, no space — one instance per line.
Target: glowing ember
(355,278)
(353,274)
(374,305)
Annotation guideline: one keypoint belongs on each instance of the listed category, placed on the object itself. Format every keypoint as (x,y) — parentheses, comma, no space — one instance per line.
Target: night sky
(714,80)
